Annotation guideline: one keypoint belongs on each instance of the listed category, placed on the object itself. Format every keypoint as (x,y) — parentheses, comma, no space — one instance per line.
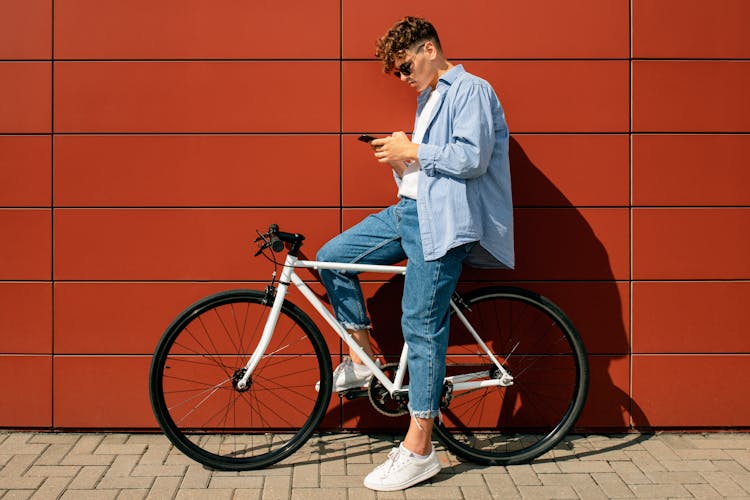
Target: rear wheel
(534,340)
(200,359)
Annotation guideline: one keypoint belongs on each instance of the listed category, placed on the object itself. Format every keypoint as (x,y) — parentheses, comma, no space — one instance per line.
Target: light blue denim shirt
(464,182)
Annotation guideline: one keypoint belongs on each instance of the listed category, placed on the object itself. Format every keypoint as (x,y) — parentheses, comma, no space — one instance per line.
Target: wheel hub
(236,379)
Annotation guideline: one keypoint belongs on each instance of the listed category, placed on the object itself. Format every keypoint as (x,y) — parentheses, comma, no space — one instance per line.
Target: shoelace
(394,457)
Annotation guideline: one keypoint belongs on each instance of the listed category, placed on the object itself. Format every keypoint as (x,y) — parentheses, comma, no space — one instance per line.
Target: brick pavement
(332,466)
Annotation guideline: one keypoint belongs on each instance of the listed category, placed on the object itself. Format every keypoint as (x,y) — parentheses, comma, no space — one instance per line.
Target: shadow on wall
(558,255)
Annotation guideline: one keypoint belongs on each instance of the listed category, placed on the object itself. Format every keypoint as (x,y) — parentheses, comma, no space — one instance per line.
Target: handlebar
(276,240)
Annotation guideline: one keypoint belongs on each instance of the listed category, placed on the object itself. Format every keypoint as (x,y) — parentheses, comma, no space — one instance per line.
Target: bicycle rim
(538,345)
(198,362)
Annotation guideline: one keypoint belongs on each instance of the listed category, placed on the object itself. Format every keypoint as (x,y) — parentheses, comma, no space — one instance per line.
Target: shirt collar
(446,80)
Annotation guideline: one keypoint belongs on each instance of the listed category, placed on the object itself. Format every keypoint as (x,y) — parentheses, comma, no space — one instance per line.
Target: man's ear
(430,49)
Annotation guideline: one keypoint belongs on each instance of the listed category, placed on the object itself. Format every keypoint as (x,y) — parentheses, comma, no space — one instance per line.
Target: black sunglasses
(405,68)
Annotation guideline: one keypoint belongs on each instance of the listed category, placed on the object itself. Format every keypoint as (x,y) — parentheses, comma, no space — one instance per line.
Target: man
(455,205)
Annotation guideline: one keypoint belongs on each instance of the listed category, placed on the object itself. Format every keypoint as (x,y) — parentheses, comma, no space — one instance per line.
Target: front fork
(241,384)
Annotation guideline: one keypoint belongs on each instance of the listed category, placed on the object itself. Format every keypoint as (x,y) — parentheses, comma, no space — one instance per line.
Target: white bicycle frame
(462,382)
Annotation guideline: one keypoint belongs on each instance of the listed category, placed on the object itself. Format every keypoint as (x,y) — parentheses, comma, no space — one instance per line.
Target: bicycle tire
(197,361)
(539,345)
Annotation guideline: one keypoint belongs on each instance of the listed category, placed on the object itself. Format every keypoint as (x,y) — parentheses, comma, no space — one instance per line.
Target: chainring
(381,400)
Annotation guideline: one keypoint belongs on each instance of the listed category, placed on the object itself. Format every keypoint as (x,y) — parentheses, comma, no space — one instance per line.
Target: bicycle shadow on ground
(577,256)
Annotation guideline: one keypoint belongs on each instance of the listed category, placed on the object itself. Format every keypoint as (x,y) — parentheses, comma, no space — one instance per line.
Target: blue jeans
(386,238)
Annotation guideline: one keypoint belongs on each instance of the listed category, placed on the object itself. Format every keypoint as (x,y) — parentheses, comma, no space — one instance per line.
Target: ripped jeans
(386,238)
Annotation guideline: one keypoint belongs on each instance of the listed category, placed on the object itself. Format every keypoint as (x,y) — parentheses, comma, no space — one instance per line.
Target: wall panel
(691,317)
(193,29)
(26,29)
(691,96)
(25,318)
(691,29)
(196,170)
(501,30)
(691,243)
(164,244)
(690,391)
(97,318)
(695,169)
(25,171)
(102,391)
(22,407)
(535,96)
(26,253)
(199,96)
(25,97)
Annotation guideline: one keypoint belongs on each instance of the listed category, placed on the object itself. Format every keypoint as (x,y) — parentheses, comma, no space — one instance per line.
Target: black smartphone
(366,138)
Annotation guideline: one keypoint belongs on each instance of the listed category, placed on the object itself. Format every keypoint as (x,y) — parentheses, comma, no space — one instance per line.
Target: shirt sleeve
(468,153)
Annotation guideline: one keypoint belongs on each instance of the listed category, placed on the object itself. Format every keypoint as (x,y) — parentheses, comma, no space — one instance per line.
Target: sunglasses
(406,68)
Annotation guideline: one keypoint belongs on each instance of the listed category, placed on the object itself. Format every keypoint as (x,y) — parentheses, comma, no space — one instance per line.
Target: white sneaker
(402,469)
(349,375)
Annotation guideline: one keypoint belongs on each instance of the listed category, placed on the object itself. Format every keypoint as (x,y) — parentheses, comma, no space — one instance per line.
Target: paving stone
(19,444)
(90,495)
(547,492)
(502,486)
(54,454)
(319,494)
(476,492)
(645,461)
(687,477)
(235,482)
(16,466)
(587,466)
(307,476)
(54,438)
(523,475)
(53,487)
(88,477)
(196,477)
(277,488)
(702,491)
(361,493)
(723,483)
(688,465)
(213,494)
(247,494)
(18,494)
(660,491)
(163,487)
(426,492)
(53,470)
(630,473)
(132,495)
(612,485)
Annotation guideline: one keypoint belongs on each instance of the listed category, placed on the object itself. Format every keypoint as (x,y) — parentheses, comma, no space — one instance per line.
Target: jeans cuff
(424,414)
(356,326)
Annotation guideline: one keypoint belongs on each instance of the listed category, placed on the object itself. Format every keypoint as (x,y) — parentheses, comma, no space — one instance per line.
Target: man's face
(414,68)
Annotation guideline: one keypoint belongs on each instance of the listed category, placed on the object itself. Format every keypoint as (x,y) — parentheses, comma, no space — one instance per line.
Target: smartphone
(366,138)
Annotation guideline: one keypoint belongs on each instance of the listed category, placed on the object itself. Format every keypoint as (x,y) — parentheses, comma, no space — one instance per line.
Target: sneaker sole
(411,482)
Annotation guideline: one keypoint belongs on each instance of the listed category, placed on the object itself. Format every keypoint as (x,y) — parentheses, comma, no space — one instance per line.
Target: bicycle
(510,394)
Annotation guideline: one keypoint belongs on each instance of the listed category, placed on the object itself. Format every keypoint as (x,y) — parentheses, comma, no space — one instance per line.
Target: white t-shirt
(409,180)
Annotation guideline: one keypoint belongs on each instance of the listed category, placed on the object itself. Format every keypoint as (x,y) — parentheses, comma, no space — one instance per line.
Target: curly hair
(401,37)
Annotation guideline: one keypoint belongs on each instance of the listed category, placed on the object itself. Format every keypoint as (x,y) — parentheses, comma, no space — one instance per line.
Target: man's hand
(396,148)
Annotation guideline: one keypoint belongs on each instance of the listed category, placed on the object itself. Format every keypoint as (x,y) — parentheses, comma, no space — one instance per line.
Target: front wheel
(200,358)
(541,349)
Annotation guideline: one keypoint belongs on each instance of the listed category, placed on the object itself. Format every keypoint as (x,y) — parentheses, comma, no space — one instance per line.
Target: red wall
(142,142)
